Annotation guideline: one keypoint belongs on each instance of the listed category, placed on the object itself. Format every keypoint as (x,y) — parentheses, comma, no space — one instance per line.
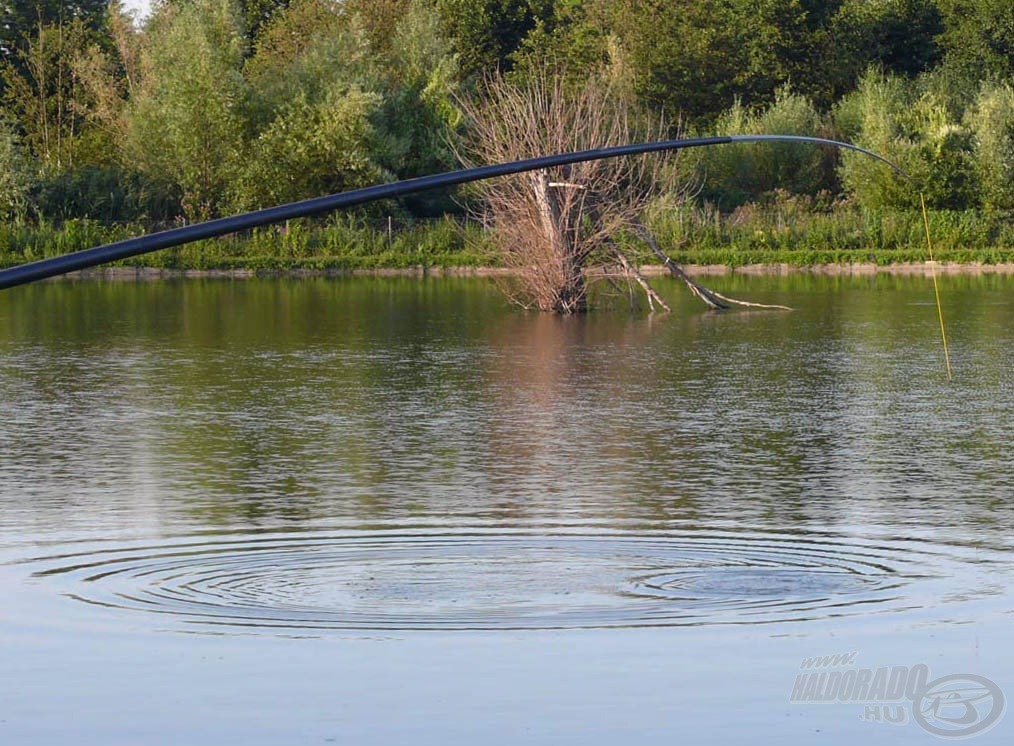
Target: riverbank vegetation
(112,126)
(780,230)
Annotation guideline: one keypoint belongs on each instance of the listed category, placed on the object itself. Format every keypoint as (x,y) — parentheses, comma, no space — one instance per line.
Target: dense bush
(106,194)
(991,121)
(734,174)
(916,128)
(14,177)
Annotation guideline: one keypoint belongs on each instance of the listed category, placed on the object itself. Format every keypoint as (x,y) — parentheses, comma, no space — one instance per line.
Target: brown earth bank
(868,268)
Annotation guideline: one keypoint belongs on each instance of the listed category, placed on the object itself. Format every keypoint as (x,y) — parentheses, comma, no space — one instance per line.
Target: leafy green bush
(106,194)
(185,116)
(733,174)
(916,129)
(991,119)
(14,179)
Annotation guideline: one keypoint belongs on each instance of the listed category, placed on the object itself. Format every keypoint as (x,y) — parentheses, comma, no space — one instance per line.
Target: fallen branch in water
(715,300)
(749,304)
(653,297)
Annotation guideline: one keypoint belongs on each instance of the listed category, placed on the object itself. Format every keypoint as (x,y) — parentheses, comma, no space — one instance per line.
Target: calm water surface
(375,510)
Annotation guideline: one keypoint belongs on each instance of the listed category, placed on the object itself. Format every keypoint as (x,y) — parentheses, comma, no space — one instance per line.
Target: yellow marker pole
(936,287)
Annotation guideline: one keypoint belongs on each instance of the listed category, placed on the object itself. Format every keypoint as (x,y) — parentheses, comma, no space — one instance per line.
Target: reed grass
(782,229)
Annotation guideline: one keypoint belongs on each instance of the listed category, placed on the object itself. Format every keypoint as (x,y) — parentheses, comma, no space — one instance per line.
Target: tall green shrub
(419,78)
(991,119)
(734,173)
(315,94)
(312,148)
(42,91)
(14,177)
(186,119)
(916,128)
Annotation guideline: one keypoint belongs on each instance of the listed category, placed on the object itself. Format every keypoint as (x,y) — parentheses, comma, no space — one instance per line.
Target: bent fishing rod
(78,260)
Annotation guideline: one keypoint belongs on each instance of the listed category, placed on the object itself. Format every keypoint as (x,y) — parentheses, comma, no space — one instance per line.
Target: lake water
(398,510)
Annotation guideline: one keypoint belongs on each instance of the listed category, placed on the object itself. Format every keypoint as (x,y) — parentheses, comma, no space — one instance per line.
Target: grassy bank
(784,230)
(336,244)
(795,231)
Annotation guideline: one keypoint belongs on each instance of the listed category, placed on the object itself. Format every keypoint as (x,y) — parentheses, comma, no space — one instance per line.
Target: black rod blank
(78,260)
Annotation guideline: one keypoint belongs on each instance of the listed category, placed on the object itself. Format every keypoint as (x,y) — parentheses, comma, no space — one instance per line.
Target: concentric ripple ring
(490,580)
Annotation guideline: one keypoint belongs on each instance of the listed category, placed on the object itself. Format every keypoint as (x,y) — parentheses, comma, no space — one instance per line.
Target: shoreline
(697,270)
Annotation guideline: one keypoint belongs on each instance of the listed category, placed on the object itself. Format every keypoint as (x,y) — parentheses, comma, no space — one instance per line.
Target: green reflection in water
(204,404)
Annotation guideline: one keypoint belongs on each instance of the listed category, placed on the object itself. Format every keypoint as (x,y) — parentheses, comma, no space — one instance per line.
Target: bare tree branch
(553,226)
(649,291)
(715,300)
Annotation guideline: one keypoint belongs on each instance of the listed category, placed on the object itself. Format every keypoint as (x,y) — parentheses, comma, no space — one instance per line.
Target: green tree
(776,40)
(486,33)
(14,175)
(978,39)
(915,128)
(315,93)
(383,101)
(305,48)
(42,92)
(991,119)
(377,19)
(186,120)
(579,41)
(898,36)
(686,55)
(256,13)
(696,57)
(312,148)
(419,79)
(20,20)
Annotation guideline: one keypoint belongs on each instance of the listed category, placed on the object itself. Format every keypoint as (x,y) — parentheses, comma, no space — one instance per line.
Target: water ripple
(496,580)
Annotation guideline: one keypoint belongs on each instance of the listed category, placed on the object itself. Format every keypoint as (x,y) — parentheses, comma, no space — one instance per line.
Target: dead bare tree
(552,226)
(557,229)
